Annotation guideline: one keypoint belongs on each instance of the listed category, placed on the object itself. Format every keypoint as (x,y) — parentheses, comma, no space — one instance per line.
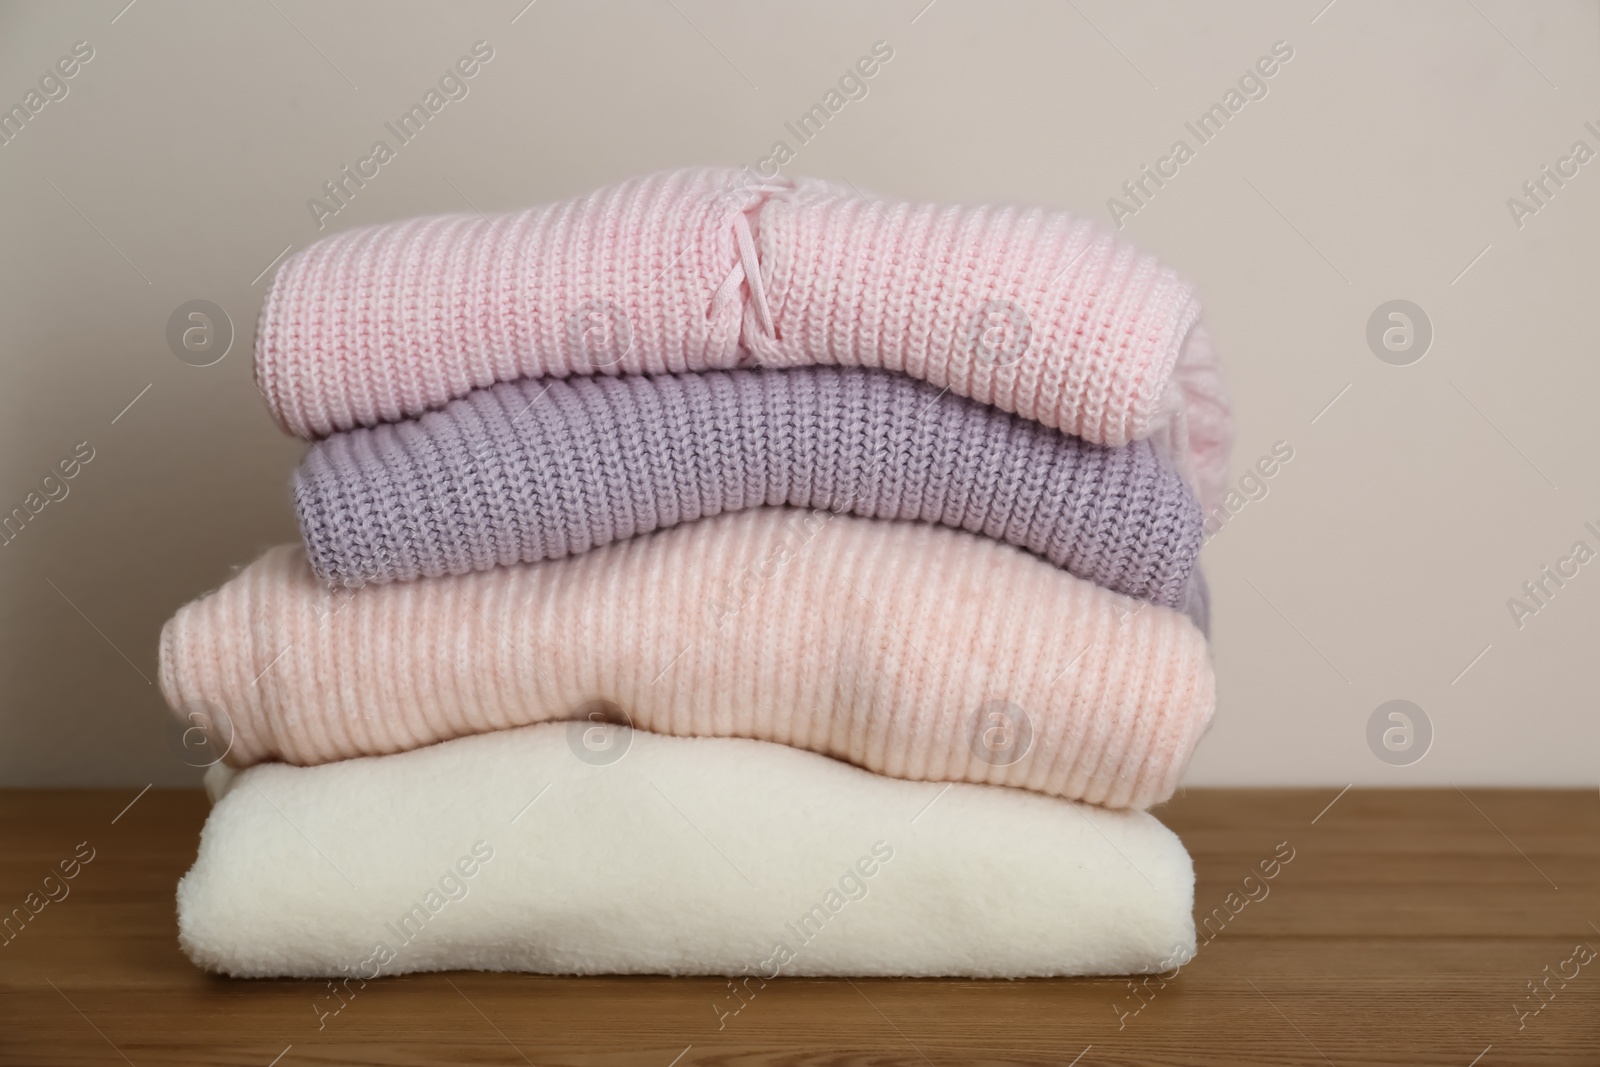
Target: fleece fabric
(1033,311)
(531,470)
(510,852)
(912,650)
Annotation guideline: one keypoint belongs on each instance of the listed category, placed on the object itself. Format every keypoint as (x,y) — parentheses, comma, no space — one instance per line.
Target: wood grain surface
(1417,927)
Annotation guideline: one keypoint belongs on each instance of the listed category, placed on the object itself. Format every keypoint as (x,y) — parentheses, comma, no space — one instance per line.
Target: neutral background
(1378,167)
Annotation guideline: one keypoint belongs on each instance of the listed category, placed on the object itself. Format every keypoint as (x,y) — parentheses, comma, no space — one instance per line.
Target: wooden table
(1409,928)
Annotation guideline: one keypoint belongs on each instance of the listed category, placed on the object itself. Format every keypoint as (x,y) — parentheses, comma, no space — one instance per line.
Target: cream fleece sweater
(686,856)
(914,651)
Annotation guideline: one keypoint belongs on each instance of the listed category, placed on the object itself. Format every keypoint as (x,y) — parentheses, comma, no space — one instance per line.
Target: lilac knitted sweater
(532,470)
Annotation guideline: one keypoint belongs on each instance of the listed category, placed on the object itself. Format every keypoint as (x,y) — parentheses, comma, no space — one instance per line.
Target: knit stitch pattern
(899,647)
(1036,312)
(528,470)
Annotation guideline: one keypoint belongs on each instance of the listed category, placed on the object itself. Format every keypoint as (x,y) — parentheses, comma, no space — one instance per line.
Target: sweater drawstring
(747,269)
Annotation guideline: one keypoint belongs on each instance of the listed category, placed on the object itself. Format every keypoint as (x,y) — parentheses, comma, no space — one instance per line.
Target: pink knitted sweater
(913,651)
(1036,312)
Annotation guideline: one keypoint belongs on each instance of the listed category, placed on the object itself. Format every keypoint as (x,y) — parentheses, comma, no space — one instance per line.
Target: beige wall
(1377,167)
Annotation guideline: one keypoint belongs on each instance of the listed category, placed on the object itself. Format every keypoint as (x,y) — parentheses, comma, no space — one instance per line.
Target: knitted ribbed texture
(1036,312)
(530,470)
(905,648)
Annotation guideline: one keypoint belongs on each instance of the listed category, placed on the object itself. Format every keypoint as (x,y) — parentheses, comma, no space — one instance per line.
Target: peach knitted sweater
(913,651)
(1035,312)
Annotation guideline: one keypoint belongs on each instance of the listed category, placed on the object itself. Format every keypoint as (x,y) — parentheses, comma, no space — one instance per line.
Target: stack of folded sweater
(706,577)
